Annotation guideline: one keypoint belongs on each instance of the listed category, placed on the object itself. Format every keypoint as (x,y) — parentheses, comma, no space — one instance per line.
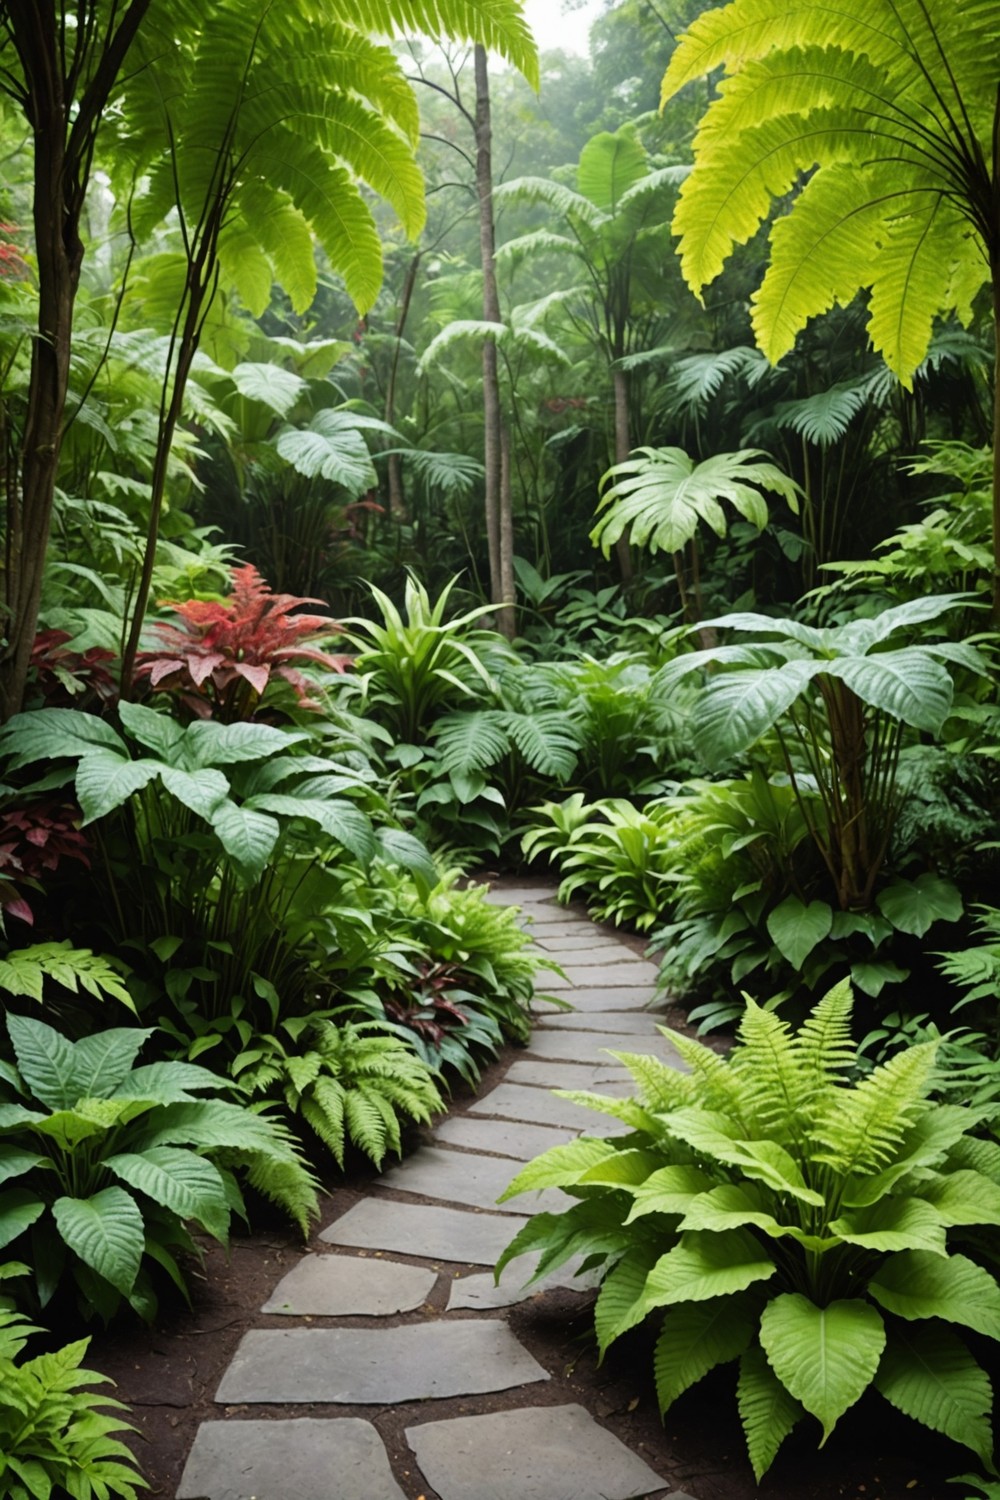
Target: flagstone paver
(340,1458)
(541,1453)
(372,1366)
(515,1139)
(415,1352)
(462,1177)
(342,1286)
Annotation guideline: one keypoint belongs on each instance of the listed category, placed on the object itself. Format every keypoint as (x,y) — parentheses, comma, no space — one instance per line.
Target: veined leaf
(915,905)
(621,1303)
(187,1184)
(248,837)
(105,780)
(19,1209)
(796,928)
(696,1338)
(106,1231)
(928,1373)
(768,1411)
(825,1356)
(703,1266)
(916,1285)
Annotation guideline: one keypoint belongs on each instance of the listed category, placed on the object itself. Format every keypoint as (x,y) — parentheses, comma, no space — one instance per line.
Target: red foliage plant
(33,840)
(223,655)
(70,679)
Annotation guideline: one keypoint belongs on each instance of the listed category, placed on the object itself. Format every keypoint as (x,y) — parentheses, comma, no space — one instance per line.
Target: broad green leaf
(105,780)
(669,1190)
(915,1284)
(14,1162)
(559,1166)
(397,847)
(825,1356)
(963,1197)
(621,1303)
(19,1208)
(928,1373)
(627,1168)
(705,1265)
(340,820)
(102,1061)
(696,1338)
(873,976)
(168,1083)
(247,837)
(47,1061)
(768,1411)
(907,684)
(796,928)
(737,707)
(913,906)
(202,791)
(106,1231)
(893,1224)
(181,1181)
(55,734)
(276,388)
(68,1127)
(209,743)
(156,731)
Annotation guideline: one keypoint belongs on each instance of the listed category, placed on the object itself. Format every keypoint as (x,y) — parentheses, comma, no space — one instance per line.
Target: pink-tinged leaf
(161,669)
(256,676)
(38,836)
(201,667)
(20,908)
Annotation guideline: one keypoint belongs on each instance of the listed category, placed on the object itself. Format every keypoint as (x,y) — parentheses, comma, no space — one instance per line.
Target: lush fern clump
(57,1437)
(780,1214)
(347,1081)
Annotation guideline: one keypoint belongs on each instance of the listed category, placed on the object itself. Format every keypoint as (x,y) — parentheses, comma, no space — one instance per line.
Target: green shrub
(110,1162)
(791,1219)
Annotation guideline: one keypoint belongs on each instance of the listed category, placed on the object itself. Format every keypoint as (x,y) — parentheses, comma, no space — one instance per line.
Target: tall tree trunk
(623,447)
(64,129)
(501,579)
(397,499)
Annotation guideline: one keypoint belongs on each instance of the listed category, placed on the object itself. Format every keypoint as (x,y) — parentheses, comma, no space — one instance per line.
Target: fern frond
(824,1041)
(471,741)
(860,1128)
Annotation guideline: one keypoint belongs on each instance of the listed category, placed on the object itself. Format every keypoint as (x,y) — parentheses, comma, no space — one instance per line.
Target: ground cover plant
(812,1226)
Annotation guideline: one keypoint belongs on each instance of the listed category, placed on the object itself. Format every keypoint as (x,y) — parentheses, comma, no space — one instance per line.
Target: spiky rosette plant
(225,653)
(777,1213)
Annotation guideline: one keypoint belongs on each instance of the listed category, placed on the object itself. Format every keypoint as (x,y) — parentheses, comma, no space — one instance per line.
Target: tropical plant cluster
(377,511)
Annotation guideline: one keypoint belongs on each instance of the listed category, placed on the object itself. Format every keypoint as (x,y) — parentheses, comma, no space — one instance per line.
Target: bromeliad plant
(111,1162)
(781,1215)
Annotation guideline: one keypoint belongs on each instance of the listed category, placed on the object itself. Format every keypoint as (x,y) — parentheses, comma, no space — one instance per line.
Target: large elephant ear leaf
(104,1060)
(768,1411)
(106,1232)
(736,708)
(825,1356)
(928,1373)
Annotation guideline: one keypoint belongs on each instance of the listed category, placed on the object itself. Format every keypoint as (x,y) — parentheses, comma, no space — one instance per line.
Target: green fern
(24,971)
(348,1081)
(789,1207)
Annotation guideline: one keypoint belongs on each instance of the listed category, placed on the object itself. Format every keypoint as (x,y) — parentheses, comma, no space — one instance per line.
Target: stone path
(374,1331)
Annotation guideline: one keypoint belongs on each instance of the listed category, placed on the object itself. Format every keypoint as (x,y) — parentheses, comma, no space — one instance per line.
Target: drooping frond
(471,741)
(860,1128)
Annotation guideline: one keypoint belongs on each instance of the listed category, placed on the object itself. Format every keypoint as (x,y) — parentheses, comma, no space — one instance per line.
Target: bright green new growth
(786,1217)
(55,1435)
(888,108)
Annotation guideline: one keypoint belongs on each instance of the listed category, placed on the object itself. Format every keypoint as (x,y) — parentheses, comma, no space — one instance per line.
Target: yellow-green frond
(499,25)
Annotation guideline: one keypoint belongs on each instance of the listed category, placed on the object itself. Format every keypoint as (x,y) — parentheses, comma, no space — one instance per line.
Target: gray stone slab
(623,1022)
(515,1101)
(571,942)
(591,1046)
(557,1075)
(591,955)
(510,1138)
(375,1366)
(462,1177)
(627,997)
(548,1453)
(479,1292)
(437,1233)
(339,1458)
(631,971)
(526,896)
(343,1286)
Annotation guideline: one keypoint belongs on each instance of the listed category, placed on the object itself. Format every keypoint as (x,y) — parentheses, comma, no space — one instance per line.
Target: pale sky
(553,29)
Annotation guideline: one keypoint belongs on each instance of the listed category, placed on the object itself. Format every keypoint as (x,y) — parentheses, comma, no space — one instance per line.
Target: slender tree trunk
(623,447)
(506,621)
(397,499)
(64,129)
(501,586)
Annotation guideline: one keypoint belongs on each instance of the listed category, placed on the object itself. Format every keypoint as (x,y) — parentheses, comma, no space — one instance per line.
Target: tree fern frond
(561,200)
(547,740)
(697,378)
